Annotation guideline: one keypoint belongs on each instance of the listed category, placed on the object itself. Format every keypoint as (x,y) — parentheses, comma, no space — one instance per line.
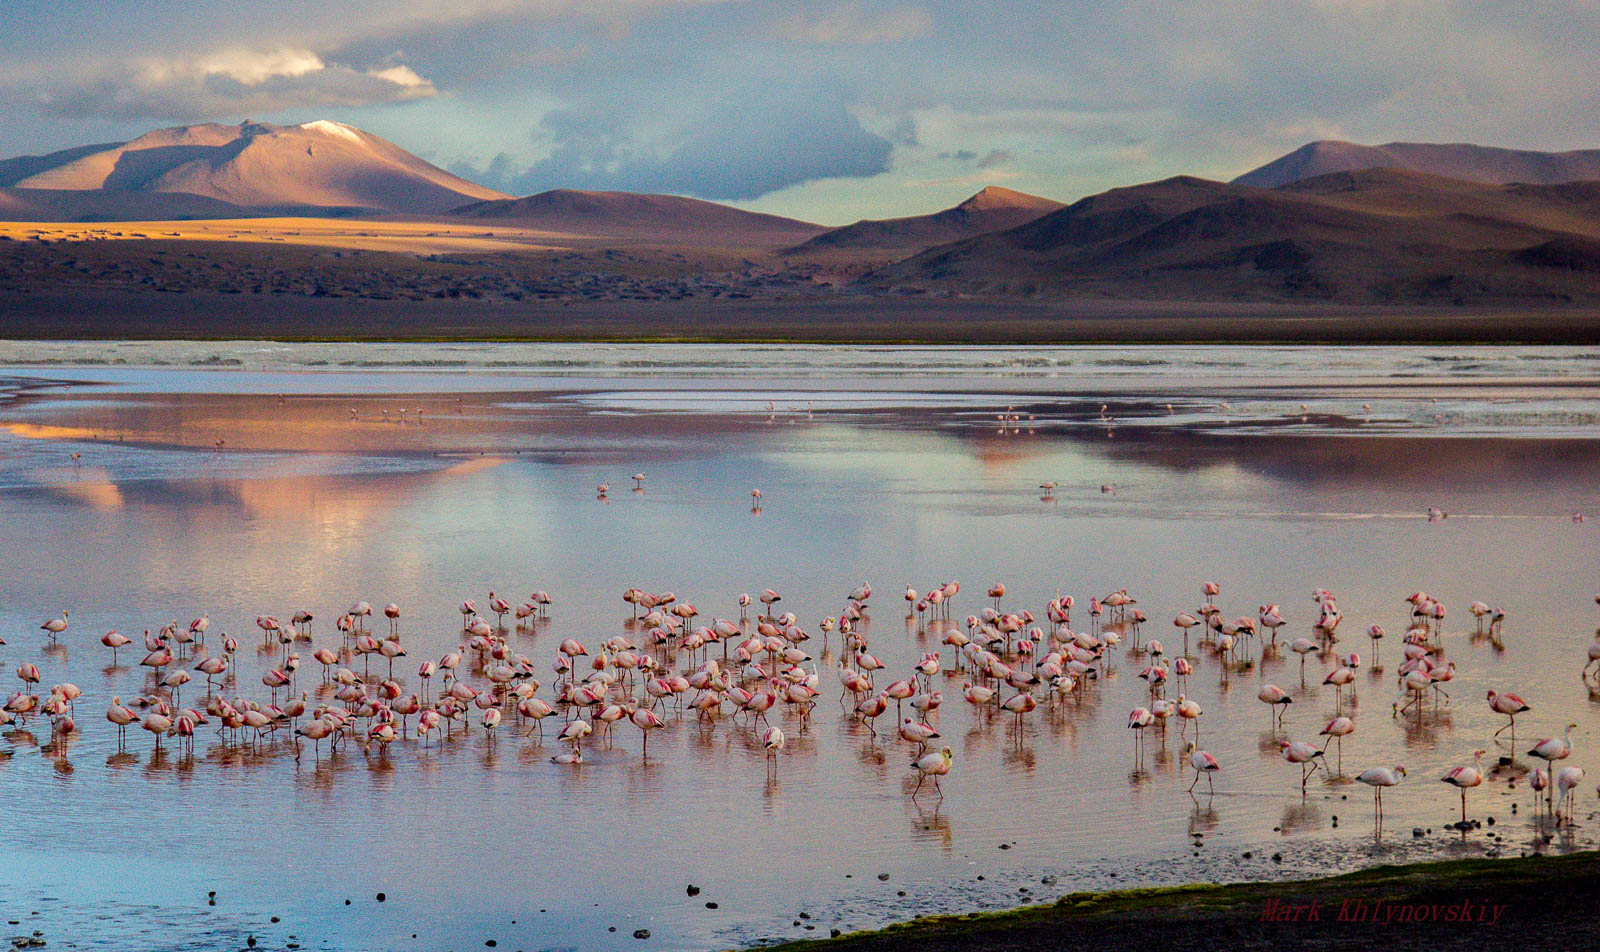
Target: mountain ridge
(1342,237)
(1460,160)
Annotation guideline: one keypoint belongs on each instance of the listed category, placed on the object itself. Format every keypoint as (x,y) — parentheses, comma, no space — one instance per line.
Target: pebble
(641,933)
(883,877)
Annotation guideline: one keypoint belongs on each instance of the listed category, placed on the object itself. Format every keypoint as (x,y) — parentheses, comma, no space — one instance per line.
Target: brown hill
(74,205)
(252,165)
(640,216)
(993,209)
(1377,236)
(1475,163)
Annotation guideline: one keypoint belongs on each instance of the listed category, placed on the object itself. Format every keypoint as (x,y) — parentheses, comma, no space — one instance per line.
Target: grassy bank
(1536,902)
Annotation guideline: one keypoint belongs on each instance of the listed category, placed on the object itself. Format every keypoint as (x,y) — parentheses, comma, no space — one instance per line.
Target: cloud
(746,146)
(229,83)
(849,24)
(995,159)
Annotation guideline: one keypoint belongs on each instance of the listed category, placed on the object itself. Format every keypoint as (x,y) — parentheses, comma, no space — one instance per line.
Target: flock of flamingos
(747,669)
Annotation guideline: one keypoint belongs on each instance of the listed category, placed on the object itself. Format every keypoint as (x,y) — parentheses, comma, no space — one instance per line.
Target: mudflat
(96,314)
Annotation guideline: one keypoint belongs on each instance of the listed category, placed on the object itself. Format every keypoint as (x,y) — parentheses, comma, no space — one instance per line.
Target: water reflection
(308,506)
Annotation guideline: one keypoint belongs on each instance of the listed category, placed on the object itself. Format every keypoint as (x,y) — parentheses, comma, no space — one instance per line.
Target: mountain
(640,216)
(993,209)
(252,165)
(1475,163)
(1367,237)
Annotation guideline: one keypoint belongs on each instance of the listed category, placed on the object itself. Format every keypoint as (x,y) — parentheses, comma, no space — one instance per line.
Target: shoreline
(1531,902)
(207,316)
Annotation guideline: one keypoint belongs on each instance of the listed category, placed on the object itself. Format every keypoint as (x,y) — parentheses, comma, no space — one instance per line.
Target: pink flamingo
(1465,778)
(933,765)
(1203,763)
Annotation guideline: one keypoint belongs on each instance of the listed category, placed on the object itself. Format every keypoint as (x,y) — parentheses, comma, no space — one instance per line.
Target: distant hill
(992,209)
(253,165)
(71,205)
(1474,163)
(1367,237)
(641,216)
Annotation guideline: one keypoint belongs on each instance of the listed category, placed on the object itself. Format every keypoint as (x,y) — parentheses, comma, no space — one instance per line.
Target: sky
(829,110)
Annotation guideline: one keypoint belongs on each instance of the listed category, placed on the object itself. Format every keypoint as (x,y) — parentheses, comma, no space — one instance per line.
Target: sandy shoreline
(1538,902)
(112,315)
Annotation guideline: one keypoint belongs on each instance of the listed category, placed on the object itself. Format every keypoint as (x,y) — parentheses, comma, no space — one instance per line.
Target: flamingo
(1465,778)
(1307,756)
(55,626)
(1538,782)
(1020,704)
(1567,780)
(1184,622)
(121,716)
(1552,749)
(1337,730)
(917,733)
(646,720)
(772,741)
(1377,778)
(1339,677)
(1277,699)
(1139,720)
(115,640)
(1188,710)
(1302,647)
(158,724)
(933,765)
(1203,763)
(1510,705)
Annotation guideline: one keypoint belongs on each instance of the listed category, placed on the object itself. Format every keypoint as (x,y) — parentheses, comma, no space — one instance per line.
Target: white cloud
(252,67)
(230,83)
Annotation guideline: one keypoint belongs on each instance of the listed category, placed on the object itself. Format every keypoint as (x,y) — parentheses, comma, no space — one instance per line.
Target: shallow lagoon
(1273,471)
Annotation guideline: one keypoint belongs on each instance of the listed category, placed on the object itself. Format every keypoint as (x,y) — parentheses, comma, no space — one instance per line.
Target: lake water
(426,474)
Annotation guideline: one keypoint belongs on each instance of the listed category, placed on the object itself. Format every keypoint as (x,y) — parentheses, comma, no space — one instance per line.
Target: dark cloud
(995,159)
(746,147)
